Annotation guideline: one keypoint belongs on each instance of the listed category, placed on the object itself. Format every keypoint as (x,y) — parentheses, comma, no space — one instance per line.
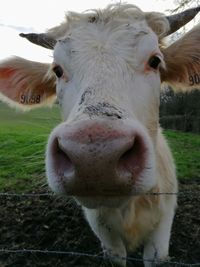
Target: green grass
(23,138)
(186,151)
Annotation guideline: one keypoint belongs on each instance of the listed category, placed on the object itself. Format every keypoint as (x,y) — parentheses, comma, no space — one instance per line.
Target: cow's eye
(154,62)
(58,71)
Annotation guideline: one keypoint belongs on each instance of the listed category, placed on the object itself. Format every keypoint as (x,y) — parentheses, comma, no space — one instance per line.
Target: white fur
(110,60)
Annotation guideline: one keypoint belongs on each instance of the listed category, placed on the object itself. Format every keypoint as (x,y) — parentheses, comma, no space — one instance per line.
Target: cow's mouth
(98,202)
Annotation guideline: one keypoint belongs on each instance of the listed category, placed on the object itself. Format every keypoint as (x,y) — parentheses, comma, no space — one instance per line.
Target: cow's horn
(41,39)
(179,20)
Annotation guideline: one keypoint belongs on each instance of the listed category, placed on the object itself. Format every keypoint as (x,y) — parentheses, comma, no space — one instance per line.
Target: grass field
(23,138)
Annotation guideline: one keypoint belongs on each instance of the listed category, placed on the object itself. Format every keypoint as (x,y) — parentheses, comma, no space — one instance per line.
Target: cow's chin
(95,202)
(99,202)
(145,183)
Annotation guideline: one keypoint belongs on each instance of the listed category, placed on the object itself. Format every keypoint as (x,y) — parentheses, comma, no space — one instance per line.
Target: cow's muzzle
(95,158)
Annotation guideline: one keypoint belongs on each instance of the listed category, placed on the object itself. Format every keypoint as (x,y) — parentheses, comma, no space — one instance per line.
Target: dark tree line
(182,103)
(180,111)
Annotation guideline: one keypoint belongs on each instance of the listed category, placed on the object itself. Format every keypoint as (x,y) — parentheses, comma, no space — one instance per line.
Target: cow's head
(109,66)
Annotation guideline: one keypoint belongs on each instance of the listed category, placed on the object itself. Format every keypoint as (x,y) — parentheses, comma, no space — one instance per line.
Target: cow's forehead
(122,31)
(113,20)
(133,42)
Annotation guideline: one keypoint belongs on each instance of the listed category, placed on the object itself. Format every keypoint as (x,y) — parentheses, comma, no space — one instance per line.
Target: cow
(109,153)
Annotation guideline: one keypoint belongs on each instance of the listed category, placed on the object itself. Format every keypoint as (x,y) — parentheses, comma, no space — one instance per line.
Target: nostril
(63,165)
(132,161)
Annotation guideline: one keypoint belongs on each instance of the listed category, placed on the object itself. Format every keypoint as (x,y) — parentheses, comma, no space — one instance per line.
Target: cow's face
(108,68)
(108,87)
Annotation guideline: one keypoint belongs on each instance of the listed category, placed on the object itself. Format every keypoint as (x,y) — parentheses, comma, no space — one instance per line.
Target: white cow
(110,153)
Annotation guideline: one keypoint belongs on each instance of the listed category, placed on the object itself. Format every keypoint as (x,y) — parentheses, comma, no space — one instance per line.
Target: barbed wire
(90,255)
(32,195)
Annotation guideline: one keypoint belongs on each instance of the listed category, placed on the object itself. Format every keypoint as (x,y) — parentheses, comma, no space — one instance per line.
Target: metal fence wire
(168,263)
(82,254)
(32,195)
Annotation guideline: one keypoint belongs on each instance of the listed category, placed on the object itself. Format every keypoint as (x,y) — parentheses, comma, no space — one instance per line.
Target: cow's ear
(182,60)
(26,84)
